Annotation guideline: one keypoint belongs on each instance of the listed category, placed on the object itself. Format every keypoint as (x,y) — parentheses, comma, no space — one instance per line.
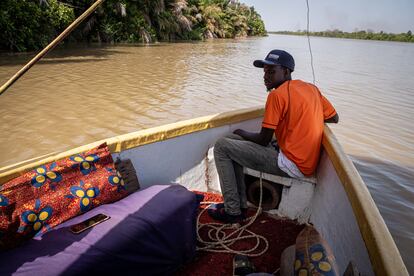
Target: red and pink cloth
(48,195)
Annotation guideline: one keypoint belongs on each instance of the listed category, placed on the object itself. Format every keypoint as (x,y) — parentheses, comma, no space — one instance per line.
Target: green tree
(31,24)
(369,35)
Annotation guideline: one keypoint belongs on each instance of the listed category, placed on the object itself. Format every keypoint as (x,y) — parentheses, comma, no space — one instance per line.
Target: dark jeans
(231,154)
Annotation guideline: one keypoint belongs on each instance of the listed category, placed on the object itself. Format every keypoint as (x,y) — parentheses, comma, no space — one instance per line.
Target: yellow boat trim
(384,255)
(138,138)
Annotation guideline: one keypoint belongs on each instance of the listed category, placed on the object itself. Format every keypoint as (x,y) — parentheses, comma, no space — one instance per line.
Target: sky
(391,16)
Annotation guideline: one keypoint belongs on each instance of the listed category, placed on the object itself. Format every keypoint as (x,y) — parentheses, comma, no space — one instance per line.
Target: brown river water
(77,95)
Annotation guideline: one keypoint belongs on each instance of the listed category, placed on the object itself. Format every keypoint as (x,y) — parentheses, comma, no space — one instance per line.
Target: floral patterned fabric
(313,255)
(38,200)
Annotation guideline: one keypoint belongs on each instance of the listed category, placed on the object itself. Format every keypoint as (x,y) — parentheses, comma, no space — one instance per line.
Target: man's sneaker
(217,212)
(243,210)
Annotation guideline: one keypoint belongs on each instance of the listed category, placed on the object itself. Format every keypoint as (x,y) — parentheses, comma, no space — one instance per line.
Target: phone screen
(82,226)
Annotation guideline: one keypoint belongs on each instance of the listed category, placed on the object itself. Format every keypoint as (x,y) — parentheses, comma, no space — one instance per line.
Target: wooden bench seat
(296,194)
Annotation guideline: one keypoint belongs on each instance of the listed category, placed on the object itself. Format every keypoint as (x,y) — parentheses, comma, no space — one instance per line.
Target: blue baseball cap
(277,57)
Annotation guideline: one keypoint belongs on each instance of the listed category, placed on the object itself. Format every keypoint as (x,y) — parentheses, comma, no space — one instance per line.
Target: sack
(313,254)
(128,175)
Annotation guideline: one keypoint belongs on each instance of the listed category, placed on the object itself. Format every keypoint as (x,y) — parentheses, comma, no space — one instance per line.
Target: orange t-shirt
(296,110)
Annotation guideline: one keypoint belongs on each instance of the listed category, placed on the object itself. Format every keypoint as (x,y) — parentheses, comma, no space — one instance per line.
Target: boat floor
(280,233)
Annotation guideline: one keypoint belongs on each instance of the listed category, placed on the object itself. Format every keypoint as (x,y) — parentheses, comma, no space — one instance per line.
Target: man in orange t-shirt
(295,113)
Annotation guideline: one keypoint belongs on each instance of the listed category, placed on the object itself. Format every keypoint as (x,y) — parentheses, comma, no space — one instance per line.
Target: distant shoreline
(364,35)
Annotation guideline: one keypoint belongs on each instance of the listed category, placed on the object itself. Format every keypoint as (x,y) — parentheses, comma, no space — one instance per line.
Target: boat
(180,156)
(341,207)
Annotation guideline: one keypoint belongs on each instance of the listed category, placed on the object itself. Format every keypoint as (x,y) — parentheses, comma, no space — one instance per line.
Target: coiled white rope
(221,241)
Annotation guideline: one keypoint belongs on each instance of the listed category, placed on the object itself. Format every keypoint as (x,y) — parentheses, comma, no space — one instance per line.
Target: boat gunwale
(384,255)
(383,252)
(138,138)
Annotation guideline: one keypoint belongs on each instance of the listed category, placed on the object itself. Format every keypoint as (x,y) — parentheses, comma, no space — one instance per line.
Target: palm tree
(30,24)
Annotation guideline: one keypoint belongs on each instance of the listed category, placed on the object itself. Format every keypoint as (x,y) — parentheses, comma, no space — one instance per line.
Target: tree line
(367,35)
(31,24)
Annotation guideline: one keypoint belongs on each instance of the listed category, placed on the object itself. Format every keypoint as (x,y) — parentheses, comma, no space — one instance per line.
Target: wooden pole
(51,45)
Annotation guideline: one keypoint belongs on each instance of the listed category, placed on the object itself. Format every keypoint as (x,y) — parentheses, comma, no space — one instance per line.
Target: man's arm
(334,119)
(262,138)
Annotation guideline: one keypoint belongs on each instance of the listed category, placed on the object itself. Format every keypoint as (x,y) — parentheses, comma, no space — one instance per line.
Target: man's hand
(239,132)
(263,138)
(334,119)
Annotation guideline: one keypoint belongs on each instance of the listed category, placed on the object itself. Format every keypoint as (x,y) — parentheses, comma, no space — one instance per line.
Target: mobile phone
(90,222)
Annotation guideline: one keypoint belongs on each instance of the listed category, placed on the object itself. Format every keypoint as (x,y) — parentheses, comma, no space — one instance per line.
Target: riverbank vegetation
(367,35)
(30,24)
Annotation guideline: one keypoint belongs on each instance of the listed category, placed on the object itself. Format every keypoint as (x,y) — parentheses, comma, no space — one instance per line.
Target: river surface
(77,95)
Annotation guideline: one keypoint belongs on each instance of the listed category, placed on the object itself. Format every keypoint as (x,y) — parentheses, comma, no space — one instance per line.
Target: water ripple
(80,95)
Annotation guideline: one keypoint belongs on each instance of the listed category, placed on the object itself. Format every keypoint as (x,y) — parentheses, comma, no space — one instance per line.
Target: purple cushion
(150,232)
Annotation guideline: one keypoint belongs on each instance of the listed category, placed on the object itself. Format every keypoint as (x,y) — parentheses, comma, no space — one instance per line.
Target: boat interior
(161,227)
